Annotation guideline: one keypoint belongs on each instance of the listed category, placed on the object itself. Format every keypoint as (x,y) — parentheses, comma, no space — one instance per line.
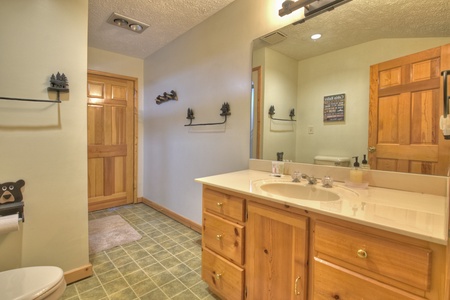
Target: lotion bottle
(356,175)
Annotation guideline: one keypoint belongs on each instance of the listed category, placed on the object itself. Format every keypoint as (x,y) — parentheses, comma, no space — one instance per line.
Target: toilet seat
(32,283)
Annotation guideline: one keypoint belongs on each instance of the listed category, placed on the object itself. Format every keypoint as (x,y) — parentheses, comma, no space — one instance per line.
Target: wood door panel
(388,119)
(424,114)
(96,151)
(95,178)
(405,107)
(110,111)
(390,77)
(96,90)
(425,70)
(119,92)
(95,125)
(409,152)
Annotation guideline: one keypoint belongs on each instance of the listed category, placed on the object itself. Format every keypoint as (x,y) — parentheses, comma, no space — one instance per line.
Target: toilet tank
(332,160)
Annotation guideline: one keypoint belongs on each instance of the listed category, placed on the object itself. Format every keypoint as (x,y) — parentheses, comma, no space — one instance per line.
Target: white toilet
(32,283)
(332,160)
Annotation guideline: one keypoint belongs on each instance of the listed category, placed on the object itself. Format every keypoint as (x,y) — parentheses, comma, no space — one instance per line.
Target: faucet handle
(327,181)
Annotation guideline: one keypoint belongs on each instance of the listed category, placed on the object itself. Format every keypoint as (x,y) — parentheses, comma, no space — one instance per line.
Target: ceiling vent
(274,37)
(127,23)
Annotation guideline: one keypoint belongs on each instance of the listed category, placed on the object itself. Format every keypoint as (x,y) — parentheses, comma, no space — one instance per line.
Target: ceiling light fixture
(316,36)
(127,23)
(136,27)
(120,22)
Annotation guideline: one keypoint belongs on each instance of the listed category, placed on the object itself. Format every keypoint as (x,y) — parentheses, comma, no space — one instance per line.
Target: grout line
(160,224)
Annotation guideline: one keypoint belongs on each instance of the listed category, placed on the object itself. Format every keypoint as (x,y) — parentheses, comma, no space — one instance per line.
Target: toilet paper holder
(12,208)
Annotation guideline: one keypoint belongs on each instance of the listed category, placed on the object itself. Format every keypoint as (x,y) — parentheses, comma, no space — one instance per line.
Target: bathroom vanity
(374,243)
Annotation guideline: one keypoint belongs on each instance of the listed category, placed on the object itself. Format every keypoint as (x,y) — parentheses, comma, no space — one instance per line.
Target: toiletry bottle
(356,175)
(280,162)
(364,163)
(280,156)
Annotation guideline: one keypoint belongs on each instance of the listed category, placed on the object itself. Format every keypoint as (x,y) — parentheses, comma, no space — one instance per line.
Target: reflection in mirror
(290,70)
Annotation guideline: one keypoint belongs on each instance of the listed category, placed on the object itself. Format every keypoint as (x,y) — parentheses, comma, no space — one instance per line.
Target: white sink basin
(297,191)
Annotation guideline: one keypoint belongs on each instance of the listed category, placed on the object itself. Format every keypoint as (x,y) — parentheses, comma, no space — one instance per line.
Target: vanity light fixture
(127,23)
(312,7)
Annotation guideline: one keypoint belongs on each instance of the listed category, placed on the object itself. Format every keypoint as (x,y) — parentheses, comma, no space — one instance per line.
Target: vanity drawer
(399,261)
(224,277)
(224,204)
(224,237)
(333,282)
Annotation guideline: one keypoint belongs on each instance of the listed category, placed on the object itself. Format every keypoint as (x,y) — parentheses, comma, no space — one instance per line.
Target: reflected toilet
(340,161)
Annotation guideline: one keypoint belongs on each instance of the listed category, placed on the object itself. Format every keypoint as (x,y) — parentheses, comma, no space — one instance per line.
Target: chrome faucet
(311,180)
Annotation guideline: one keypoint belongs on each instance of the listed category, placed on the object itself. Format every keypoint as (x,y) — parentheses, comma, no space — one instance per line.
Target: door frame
(135,122)
(257,122)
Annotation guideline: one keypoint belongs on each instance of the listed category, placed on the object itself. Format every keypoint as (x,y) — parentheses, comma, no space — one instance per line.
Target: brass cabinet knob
(218,237)
(362,253)
(218,275)
(219,204)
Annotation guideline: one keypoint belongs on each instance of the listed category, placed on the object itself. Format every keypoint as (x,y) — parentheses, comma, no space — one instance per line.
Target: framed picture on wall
(334,108)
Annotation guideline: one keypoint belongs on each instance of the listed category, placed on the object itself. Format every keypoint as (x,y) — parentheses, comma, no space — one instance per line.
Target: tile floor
(164,264)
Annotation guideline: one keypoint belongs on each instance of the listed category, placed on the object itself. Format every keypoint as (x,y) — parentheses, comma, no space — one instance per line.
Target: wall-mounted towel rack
(291,115)
(58,84)
(225,112)
(31,100)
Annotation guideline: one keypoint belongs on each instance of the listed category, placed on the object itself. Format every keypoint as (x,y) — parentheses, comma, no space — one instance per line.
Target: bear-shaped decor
(11,191)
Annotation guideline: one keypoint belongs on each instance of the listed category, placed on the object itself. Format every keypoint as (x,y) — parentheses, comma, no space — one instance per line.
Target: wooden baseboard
(171,214)
(78,274)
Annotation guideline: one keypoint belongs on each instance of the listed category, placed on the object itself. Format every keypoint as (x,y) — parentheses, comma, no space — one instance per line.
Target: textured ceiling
(361,21)
(167,20)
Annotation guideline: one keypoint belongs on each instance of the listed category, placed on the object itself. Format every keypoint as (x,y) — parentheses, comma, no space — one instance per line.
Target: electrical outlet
(310,129)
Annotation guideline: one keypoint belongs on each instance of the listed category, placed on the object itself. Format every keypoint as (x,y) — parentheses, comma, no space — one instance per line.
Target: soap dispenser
(356,175)
(364,163)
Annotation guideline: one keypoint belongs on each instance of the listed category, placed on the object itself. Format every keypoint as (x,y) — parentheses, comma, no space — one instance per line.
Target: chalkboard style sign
(334,108)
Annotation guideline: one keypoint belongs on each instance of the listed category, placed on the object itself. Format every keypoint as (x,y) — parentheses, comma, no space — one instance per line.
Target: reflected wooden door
(405,107)
(111,136)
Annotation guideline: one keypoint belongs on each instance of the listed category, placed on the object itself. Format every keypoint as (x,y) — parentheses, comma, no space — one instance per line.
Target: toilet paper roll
(9,224)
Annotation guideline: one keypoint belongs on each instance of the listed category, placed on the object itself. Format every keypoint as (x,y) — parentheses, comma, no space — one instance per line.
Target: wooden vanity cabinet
(277,254)
(357,262)
(223,242)
(257,249)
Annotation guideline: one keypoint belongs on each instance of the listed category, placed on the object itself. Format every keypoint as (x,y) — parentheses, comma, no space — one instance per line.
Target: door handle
(372,149)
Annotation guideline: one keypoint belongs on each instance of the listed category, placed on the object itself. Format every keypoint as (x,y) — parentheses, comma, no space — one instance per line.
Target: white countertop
(417,215)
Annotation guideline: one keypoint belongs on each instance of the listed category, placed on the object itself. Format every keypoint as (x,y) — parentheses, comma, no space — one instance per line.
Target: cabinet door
(276,254)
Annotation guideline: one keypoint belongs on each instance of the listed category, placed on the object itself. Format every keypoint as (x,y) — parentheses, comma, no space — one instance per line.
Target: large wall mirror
(371,85)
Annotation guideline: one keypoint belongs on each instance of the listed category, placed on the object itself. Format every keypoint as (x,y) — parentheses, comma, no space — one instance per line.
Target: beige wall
(45,144)
(209,65)
(110,62)
(280,90)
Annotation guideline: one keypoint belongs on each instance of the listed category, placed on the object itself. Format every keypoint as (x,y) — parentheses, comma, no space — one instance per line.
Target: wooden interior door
(405,107)
(111,138)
